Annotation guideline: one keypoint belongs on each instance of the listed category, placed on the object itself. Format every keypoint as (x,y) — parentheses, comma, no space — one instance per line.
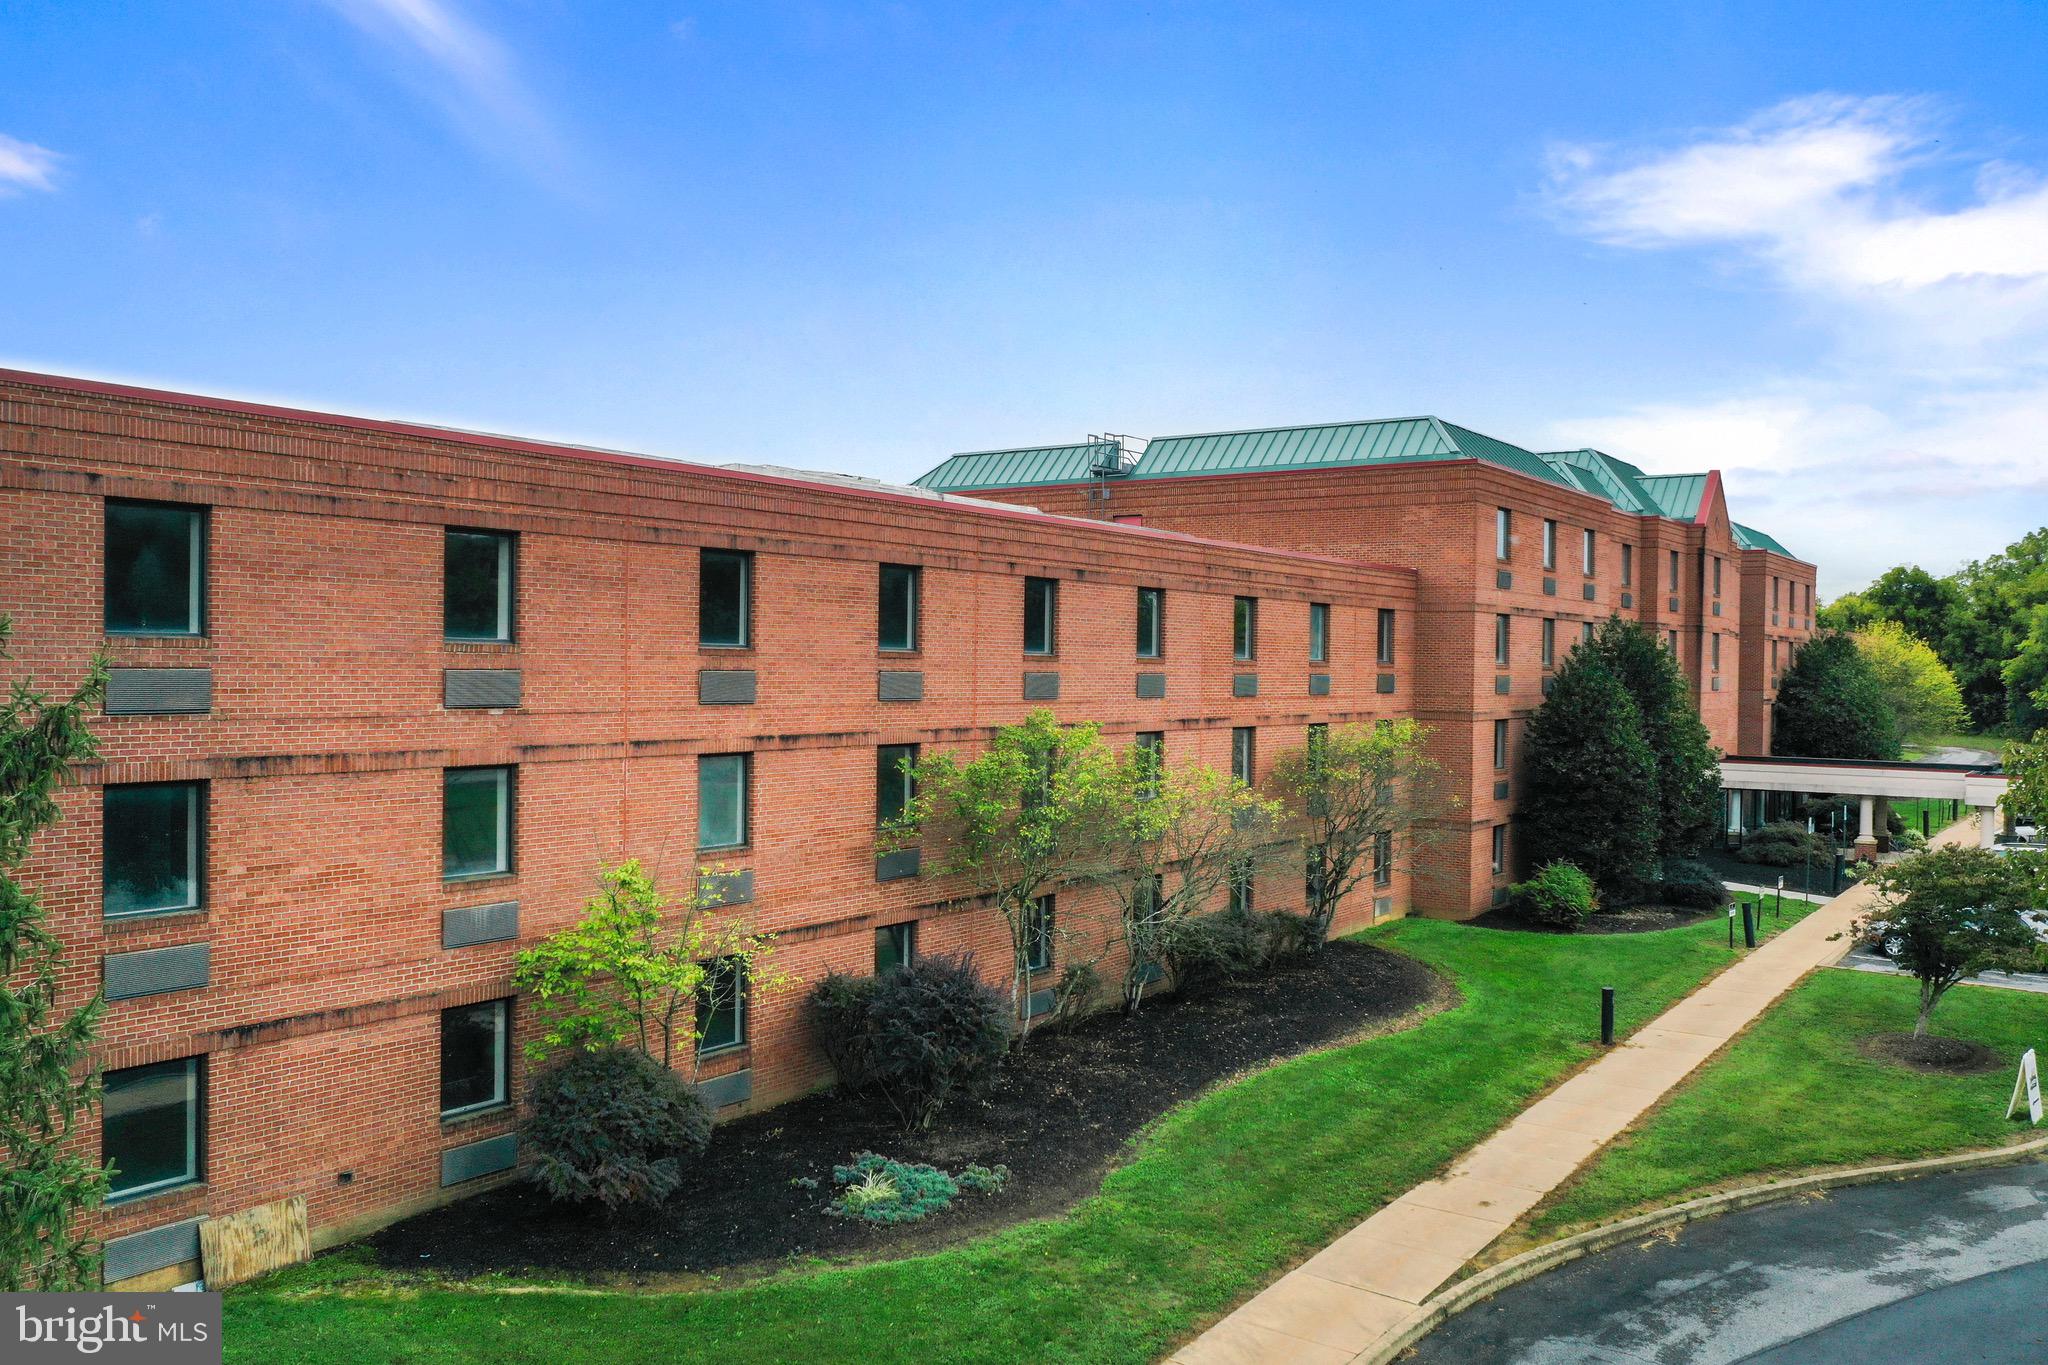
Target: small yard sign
(2028,1083)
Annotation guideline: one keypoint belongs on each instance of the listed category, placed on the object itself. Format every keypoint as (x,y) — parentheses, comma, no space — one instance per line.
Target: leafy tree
(1015,822)
(1175,839)
(1997,598)
(1688,765)
(1589,780)
(1923,693)
(2027,764)
(47,1087)
(1850,612)
(2026,675)
(1832,705)
(1360,796)
(1949,913)
(632,971)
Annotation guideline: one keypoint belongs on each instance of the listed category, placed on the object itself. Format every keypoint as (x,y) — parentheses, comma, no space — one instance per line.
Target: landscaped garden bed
(1064,1106)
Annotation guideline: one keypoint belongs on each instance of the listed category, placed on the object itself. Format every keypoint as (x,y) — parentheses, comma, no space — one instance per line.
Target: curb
(1447,1303)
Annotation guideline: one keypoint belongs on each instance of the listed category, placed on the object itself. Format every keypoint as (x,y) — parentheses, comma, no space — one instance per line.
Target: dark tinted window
(895,946)
(1386,635)
(476,1056)
(476,821)
(896,627)
(1038,936)
(155,569)
(476,600)
(893,785)
(1040,604)
(151,840)
(725,598)
(721,800)
(1244,628)
(1151,623)
(149,1128)
(722,1005)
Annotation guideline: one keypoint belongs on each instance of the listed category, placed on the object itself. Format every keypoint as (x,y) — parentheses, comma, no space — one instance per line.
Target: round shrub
(1559,896)
(1787,844)
(837,1008)
(613,1127)
(1691,885)
(918,1037)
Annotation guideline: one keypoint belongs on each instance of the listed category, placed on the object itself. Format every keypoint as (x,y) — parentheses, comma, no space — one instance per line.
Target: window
(894,785)
(722,800)
(1244,628)
(1674,571)
(1241,877)
(1383,859)
(1500,640)
(896,615)
(1038,936)
(725,599)
(476,585)
(1628,565)
(1716,648)
(1549,642)
(1717,575)
(1503,533)
(476,822)
(1673,641)
(722,1005)
(476,1057)
(1041,615)
(1586,551)
(1549,544)
(1243,753)
(1500,745)
(1586,631)
(155,561)
(1386,635)
(895,946)
(1151,755)
(149,1127)
(1774,593)
(1151,623)
(1500,849)
(152,841)
(1319,632)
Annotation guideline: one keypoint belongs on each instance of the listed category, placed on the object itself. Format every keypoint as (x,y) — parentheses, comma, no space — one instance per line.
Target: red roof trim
(1708,490)
(104,389)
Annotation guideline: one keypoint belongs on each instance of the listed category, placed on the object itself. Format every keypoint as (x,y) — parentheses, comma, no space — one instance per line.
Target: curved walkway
(1944,1267)
(1365,1287)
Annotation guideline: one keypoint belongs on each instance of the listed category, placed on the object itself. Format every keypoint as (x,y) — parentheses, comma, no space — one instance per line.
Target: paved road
(1863,959)
(1949,1268)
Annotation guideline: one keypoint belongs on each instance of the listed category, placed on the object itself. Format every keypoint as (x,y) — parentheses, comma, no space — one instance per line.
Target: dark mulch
(1942,1056)
(1062,1112)
(1636,919)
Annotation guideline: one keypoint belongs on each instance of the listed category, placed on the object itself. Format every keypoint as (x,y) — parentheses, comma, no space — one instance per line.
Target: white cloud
(25,166)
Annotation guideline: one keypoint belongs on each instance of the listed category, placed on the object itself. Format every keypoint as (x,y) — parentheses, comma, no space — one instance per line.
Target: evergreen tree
(46,1087)
(1589,781)
(1832,705)
(1688,765)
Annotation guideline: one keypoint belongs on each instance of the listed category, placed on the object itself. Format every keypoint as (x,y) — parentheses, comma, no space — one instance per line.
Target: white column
(1866,826)
(1987,833)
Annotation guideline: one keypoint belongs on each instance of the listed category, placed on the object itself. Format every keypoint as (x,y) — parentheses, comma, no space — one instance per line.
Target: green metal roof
(1598,473)
(1031,466)
(1675,495)
(1749,538)
(1335,443)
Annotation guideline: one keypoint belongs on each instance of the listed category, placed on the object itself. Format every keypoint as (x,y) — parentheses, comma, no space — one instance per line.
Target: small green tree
(1175,839)
(1017,821)
(1688,764)
(2026,763)
(1923,693)
(1361,798)
(633,970)
(1831,705)
(1589,781)
(48,1088)
(1949,913)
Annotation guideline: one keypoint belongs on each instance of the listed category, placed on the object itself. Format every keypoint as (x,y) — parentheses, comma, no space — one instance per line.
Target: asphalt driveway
(1949,1267)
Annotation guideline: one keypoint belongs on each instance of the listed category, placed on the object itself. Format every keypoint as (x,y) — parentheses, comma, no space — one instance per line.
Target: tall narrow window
(1041,615)
(1150,746)
(1038,929)
(1628,565)
(1674,571)
(1244,755)
(476,822)
(1549,544)
(1319,632)
(155,569)
(1386,636)
(1586,631)
(150,1127)
(1716,648)
(1673,641)
(1500,849)
(1241,877)
(1549,642)
(1383,859)
(1774,593)
(722,800)
(1717,575)
(1151,623)
(1500,639)
(1244,628)
(476,1057)
(725,599)
(1503,534)
(477,593)
(722,1005)
(895,946)
(1500,745)
(893,784)
(1586,550)
(897,617)
(152,847)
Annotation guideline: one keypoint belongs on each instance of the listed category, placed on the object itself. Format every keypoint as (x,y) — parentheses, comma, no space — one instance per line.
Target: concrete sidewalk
(1342,1302)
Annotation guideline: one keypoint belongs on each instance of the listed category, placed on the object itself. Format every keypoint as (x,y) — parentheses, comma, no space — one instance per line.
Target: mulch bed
(1060,1115)
(1636,919)
(1941,1056)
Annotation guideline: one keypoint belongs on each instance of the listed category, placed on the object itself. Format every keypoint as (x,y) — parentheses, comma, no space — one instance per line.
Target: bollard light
(1607,1016)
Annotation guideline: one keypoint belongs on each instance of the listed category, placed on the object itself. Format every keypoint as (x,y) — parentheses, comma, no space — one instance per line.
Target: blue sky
(1807,244)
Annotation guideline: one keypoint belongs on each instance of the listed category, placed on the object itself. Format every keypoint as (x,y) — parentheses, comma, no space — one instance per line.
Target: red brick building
(386,698)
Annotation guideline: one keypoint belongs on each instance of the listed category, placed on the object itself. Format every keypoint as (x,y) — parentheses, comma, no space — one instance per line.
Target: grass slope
(1794,1093)
(1221,1195)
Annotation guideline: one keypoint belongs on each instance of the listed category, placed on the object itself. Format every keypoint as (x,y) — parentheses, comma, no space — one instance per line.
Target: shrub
(613,1126)
(1786,844)
(1233,943)
(918,1037)
(837,1009)
(876,1189)
(1559,895)
(1691,886)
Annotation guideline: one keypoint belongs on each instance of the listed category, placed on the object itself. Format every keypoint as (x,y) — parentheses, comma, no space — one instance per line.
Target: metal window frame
(501,1059)
(200,595)
(508,586)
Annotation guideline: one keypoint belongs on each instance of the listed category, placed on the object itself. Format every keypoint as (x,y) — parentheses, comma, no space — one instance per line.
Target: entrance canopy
(1979,786)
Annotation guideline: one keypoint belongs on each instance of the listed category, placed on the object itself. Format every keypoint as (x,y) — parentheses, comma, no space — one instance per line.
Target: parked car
(1887,944)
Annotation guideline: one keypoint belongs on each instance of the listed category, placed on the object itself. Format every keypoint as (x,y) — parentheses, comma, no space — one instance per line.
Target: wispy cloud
(25,166)
(467,71)
(1917,432)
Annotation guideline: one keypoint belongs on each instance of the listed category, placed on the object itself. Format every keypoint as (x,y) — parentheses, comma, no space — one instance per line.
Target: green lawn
(1794,1093)
(1921,745)
(1221,1195)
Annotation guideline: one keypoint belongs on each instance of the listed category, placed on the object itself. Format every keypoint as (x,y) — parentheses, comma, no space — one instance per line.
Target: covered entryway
(1756,786)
